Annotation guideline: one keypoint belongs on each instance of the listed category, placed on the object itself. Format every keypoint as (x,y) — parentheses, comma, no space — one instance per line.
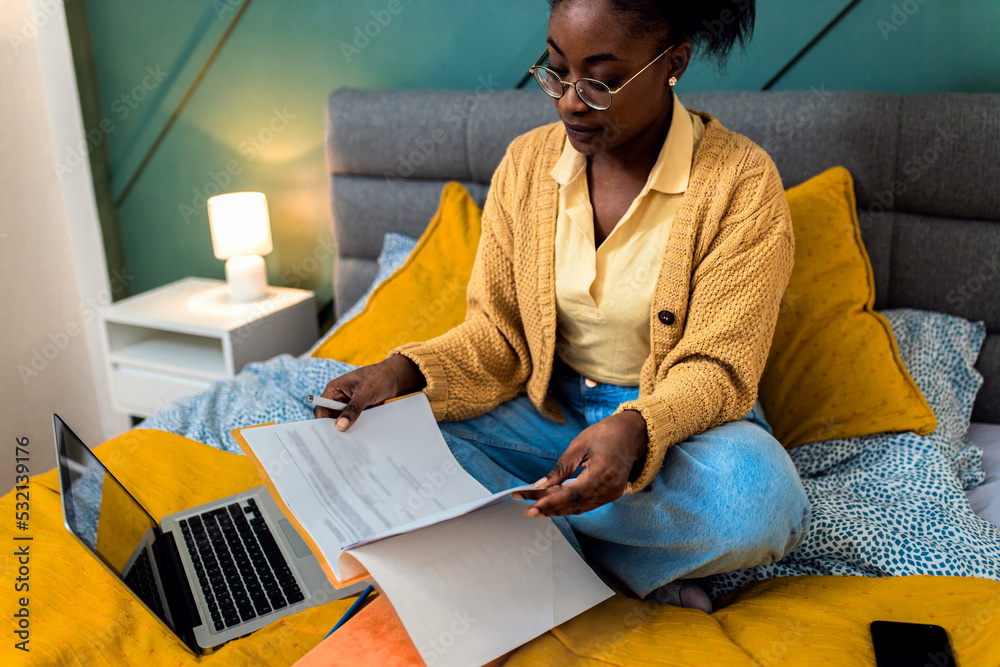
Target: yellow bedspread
(80,615)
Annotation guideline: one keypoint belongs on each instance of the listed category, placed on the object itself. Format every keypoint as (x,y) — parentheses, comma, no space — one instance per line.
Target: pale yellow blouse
(603,295)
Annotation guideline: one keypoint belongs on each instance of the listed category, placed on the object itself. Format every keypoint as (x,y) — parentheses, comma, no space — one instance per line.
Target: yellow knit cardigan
(714,308)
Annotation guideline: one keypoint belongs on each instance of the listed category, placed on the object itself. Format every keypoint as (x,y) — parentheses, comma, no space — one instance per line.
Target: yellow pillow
(834,370)
(425,297)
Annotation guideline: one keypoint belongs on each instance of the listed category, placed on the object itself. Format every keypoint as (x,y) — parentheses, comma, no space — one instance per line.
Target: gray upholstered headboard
(926,170)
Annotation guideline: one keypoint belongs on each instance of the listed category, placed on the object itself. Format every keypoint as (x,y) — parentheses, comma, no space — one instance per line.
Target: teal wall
(255,122)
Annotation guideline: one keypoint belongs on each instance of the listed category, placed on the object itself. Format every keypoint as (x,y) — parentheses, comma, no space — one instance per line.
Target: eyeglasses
(595,94)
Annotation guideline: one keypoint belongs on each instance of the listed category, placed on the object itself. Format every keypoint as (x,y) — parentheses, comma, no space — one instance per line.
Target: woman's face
(589,39)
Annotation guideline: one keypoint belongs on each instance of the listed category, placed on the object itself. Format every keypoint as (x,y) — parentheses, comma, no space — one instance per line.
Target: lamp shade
(240,224)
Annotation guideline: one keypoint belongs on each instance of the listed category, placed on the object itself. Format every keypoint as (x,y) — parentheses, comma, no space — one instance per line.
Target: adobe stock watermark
(424,490)
(22,542)
(790,301)
(454,116)
(41,14)
(913,169)
(427,315)
(122,106)
(640,278)
(225,7)
(829,428)
(901,13)
(986,272)
(59,340)
(545,538)
(249,148)
(324,251)
(365,33)
(640,613)
(254,320)
(805,112)
(438,646)
(725,18)
(976,616)
(610,132)
(424,147)
(775,651)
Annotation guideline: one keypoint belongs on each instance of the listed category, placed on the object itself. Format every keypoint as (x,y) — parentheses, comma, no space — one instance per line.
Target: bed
(933,246)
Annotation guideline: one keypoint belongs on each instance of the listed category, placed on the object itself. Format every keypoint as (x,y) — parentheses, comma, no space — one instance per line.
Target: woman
(632,261)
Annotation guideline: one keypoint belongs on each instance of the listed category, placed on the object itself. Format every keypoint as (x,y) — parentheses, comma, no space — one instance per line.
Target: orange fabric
(81,615)
(373,637)
(834,369)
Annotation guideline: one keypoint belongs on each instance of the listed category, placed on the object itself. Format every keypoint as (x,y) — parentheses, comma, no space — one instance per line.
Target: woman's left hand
(606,451)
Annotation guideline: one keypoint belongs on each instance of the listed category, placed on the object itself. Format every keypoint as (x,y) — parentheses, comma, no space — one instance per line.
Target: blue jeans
(725,499)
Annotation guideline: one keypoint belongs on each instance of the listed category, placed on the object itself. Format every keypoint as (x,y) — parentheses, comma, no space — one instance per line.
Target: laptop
(211,573)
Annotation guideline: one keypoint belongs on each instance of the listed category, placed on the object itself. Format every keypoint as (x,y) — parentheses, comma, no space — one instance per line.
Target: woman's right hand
(369,386)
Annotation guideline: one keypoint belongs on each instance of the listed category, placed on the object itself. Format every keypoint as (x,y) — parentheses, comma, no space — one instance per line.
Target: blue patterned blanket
(888,504)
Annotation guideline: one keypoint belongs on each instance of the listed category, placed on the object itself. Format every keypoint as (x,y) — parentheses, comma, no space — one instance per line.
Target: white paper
(452,513)
(467,589)
(391,468)
(473,588)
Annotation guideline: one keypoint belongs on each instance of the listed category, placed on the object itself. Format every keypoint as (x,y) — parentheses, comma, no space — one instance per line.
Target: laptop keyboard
(140,580)
(240,567)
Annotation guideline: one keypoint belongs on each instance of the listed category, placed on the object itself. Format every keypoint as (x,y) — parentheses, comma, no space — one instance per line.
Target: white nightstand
(177,339)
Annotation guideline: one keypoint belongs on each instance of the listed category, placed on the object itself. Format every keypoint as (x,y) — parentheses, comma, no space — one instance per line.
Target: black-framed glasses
(595,94)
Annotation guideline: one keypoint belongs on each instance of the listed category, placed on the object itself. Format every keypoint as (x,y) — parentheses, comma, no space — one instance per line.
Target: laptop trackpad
(298,544)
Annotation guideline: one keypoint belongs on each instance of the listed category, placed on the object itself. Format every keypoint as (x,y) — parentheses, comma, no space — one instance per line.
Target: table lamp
(241,233)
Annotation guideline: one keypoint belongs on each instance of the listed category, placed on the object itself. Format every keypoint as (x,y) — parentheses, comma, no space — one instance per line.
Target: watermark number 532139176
(22,544)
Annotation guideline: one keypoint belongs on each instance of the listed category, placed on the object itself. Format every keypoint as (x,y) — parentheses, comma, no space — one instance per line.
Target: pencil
(352,610)
(325,402)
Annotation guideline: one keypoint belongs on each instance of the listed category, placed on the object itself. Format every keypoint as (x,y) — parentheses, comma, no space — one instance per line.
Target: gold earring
(672,81)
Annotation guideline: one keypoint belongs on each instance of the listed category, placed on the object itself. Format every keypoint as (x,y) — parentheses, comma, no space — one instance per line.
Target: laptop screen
(105,517)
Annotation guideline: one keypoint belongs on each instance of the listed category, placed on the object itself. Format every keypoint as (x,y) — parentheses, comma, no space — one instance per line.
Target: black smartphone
(911,645)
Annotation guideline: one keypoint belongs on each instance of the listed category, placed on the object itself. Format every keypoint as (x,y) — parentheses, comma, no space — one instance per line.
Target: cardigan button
(666,317)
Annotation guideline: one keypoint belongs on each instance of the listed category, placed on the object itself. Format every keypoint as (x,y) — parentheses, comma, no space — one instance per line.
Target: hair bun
(712,26)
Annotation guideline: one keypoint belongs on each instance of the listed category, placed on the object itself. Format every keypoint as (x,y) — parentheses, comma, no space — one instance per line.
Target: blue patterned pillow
(892,504)
(396,249)
(939,352)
